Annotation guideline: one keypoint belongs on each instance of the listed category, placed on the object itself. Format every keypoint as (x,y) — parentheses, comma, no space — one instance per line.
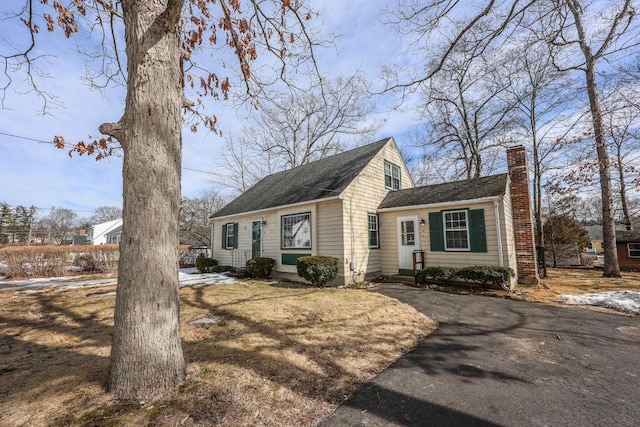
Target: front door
(256,239)
(408,241)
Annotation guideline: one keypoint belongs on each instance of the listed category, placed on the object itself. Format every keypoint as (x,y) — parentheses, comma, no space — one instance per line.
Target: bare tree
(623,130)
(296,127)
(60,223)
(468,110)
(543,96)
(105,213)
(301,126)
(242,163)
(194,216)
(444,26)
(161,41)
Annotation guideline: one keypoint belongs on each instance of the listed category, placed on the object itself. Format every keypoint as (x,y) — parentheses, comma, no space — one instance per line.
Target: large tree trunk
(623,189)
(611,266)
(146,353)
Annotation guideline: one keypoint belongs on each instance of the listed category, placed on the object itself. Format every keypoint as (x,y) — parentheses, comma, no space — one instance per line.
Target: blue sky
(33,173)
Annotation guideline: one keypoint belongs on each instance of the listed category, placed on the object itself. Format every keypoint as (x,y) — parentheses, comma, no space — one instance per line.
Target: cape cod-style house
(362,207)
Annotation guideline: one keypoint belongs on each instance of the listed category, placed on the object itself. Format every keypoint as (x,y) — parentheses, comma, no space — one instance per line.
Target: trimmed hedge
(441,274)
(318,269)
(52,261)
(205,265)
(221,268)
(259,268)
(482,274)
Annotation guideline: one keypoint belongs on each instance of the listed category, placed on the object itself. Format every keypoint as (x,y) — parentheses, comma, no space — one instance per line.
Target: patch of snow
(72,282)
(205,320)
(102,294)
(188,270)
(625,301)
(30,292)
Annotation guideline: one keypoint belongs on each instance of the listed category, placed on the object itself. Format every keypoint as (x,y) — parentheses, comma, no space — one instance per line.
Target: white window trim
(392,168)
(634,250)
(444,228)
(231,226)
(282,240)
(377,230)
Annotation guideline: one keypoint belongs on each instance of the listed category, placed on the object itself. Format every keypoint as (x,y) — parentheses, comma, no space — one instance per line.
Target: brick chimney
(522,216)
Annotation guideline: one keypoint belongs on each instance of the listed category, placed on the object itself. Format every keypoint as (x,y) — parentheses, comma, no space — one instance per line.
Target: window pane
(230,234)
(296,231)
(456,230)
(373,230)
(407,231)
(634,250)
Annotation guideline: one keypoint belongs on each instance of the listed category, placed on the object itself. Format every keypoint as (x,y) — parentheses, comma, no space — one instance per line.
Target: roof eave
(254,212)
(442,204)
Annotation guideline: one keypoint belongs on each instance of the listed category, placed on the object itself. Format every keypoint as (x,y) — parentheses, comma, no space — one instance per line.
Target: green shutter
(235,235)
(477,229)
(436,233)
(224,236)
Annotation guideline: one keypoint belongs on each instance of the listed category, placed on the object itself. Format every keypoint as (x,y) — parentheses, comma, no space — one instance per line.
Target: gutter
(437,205)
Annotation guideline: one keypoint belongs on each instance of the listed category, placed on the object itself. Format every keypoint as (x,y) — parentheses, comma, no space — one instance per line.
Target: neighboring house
(628,246)
(98,233)
(596,244)
(361,207)
(115,235)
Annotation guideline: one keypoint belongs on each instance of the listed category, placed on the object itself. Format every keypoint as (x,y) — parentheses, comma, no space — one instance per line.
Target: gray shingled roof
(323,178)
(627,236)
(471,189)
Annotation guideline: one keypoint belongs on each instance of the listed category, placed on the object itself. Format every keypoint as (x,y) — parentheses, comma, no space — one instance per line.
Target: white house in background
(99,233)
(114,236)
(362,207)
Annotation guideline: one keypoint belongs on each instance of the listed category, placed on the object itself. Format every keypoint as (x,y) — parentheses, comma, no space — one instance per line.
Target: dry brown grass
(276,356)
(576,282)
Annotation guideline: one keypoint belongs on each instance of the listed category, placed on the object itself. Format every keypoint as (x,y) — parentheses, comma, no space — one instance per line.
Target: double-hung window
(230,235)
(374,233)
(391,176)
(456,230)
(634,250)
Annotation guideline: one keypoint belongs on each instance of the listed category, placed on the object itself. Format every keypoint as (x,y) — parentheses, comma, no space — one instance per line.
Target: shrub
(484,275)
(318,269)
(259,268)
(441,274)
(88,263)
(587,260)
(205,265)
(221,268)
(49,261)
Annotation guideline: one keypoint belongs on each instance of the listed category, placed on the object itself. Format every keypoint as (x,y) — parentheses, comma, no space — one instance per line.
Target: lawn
(274,354)
(562,281)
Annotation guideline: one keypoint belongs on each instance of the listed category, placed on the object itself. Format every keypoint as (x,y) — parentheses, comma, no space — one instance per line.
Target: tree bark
(146,352)
(623,189)
(611,265)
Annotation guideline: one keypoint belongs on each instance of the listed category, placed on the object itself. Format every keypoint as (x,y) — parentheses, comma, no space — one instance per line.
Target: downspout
(498,233)
(352,265)
(211,242)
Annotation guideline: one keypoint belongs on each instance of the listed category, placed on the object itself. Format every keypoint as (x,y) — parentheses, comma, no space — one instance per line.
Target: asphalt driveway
(500,362)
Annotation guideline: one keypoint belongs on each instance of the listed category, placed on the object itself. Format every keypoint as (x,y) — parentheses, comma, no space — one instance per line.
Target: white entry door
(408,241)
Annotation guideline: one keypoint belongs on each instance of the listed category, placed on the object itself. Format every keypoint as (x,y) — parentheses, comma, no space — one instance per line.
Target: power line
(40,141)
(26,138)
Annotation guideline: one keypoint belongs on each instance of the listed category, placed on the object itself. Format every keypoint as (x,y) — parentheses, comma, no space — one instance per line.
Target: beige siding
(326,235)
(363,196)
(508,237)
(238,257)
(443,258)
